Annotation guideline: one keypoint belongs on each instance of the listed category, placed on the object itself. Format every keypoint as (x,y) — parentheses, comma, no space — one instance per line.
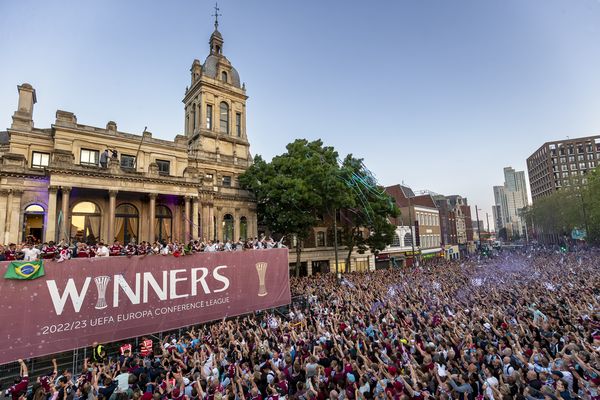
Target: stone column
(15,216)
(187,219)
(211,223)
(152,216)
(65,224)
(112,205)
(219,227)
(254,224)
(195,219)
(50,234)
(4,193)
(204,230)
(236,225)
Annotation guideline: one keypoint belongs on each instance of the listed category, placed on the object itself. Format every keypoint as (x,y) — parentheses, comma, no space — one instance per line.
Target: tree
(296,187)
(564,210)
(365,216)
(591,205)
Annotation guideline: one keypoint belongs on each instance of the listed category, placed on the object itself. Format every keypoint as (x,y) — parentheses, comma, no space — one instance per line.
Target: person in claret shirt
(131,249)
(48,250)
(20,384)
(10,254)
(141,249)
(47,381)
(116,249)
(82,250)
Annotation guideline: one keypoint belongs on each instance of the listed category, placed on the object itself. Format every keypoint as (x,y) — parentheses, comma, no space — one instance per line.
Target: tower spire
(217,15)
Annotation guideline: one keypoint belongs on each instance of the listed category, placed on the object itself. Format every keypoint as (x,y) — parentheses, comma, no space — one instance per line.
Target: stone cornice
(93,172)
(216,86)
(226,138)
(104,134)
(31,174)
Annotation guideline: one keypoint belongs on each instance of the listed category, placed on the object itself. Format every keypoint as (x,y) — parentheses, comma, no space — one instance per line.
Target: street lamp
(478,227)
(412,231)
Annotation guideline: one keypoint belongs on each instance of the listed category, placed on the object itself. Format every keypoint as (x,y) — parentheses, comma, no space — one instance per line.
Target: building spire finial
(216,15)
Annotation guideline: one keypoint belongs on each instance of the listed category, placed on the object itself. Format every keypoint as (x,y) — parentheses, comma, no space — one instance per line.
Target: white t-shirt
(123,381)
(31,254)
(102,251)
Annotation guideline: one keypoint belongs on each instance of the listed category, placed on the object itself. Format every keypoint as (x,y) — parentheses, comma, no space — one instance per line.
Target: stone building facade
(58,183)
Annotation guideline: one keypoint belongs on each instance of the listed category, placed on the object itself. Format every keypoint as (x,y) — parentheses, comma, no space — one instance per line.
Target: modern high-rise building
(497,213)
(500,204)
(561,163)
(510,200)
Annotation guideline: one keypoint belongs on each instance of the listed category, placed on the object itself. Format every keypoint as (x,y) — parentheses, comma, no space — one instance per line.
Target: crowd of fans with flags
(518,326)
(30,250)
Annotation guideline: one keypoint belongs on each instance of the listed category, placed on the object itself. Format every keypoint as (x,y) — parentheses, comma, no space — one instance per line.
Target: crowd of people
(518,326)
(65,250)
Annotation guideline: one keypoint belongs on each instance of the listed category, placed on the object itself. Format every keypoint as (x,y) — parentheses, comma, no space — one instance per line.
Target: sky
(438,94)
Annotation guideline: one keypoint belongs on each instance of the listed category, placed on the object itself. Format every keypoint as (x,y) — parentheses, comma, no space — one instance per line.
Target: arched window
(33,222)
(227,227)
(224,117)
(396,240)
(224,76)
(408,239)
(163,225)
(243,228)
(126,223)
(85,222)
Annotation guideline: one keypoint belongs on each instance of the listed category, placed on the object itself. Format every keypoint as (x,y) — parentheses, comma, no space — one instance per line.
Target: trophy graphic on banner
(101,285)
(261,269)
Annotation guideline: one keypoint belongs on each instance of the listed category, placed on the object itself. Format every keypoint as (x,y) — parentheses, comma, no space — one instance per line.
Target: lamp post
(412,231)
(478,227)
(335,242)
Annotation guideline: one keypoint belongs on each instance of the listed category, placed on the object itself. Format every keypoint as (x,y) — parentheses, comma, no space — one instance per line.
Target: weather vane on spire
(217,15)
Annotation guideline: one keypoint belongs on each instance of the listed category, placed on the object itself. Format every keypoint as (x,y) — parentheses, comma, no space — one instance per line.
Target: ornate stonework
(189,171)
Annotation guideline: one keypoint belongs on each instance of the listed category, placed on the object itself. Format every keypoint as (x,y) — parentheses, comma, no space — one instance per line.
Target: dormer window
(224,76)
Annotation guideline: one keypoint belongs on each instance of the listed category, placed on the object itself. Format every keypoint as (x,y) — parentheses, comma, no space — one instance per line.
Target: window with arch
(33,222)
(163,225)
(224,76)
(243,228)
(227,227)
(396,240)
(224,117)
(127,220)
(408,239)
(85,222)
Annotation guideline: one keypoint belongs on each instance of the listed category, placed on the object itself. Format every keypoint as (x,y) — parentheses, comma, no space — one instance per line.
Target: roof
(210,69)
(4,137)
(401,194)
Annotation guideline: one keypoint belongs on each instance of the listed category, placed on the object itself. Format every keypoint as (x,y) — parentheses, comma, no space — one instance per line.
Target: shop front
(431,254)
(452,252)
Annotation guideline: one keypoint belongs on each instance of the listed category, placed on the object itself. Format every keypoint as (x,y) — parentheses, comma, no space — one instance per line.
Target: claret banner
(80,301)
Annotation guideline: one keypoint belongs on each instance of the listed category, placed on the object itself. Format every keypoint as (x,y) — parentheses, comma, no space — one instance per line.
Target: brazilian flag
(25,270)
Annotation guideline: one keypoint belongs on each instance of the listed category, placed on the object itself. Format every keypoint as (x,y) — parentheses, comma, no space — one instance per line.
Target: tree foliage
(306,182)
(575,206)
(591,201)
(295,187)
(365,215)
